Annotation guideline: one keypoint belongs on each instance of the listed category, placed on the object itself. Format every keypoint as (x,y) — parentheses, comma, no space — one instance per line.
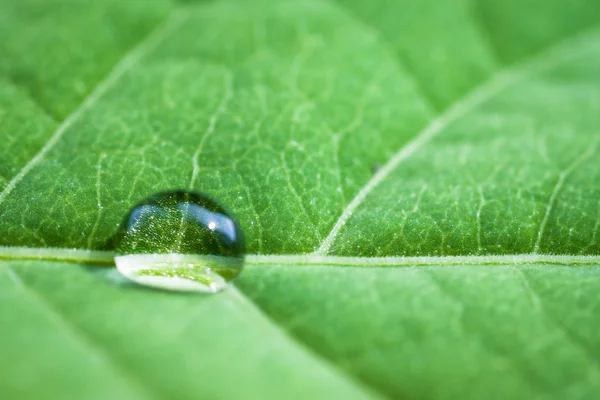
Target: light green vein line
(107,258)
(558,54)
(57,254)
(117,72)
(557,188)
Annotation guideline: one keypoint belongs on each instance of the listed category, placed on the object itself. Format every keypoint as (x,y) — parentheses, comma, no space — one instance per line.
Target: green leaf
(417,182)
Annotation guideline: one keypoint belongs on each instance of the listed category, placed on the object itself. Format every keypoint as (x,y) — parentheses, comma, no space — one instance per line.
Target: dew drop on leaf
(181,241)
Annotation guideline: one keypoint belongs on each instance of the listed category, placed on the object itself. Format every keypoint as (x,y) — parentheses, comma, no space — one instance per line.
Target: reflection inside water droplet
(180,241)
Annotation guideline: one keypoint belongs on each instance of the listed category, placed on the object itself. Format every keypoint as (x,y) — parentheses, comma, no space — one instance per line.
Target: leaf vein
(113,76)
(556,191)
(551,57)
(106,258)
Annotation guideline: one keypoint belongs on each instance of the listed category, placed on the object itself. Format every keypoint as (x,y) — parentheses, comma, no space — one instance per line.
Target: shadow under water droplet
(112,275)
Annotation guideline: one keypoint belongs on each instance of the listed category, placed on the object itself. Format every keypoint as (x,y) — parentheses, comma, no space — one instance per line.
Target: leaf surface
(336,132)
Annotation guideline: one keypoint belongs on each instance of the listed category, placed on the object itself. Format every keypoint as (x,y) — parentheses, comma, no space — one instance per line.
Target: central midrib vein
(107,258)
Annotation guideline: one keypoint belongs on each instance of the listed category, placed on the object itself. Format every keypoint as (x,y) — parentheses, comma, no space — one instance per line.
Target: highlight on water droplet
(182,241)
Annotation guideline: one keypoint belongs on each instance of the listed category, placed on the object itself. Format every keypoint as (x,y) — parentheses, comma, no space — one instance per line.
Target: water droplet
(181,241)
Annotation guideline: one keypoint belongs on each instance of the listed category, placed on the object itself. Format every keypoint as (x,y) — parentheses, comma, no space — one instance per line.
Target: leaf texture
(336,132)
